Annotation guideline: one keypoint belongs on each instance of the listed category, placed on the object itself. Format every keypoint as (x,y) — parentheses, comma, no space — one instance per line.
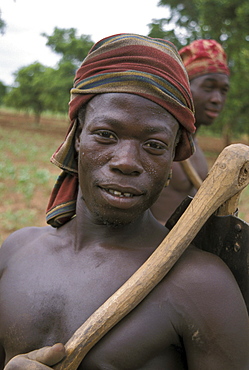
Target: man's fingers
(48,355)
(39,359)
(21,362)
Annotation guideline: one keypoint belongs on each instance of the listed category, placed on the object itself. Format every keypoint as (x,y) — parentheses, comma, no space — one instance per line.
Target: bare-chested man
(132,114)
(206,65)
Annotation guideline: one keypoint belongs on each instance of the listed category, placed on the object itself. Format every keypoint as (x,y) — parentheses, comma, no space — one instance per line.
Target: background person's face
(209,95)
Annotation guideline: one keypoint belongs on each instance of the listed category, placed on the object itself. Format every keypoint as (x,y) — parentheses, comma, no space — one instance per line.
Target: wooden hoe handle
(190,171)
(228,176)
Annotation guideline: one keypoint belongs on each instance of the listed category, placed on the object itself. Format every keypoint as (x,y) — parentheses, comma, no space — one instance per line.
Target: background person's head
(206,65)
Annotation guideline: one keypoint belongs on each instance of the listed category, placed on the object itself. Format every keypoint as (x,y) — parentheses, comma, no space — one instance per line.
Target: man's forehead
(116,108)
(121,101)
(212,77)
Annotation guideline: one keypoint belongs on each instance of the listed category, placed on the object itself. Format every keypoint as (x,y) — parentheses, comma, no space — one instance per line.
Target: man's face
(125,150)
(209,95)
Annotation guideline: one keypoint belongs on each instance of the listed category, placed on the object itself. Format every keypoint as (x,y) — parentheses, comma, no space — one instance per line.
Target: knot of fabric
(204,56)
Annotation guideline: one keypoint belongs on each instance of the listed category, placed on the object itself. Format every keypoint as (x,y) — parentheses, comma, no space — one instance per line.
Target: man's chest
(52,304)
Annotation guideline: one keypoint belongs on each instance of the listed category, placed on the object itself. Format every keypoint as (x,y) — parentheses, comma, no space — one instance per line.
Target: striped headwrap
(123,63)
(202,57)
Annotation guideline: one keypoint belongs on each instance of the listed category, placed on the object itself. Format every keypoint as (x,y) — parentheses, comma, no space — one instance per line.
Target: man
(206,65)
(132,114)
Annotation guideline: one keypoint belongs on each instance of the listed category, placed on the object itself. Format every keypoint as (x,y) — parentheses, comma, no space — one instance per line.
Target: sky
(22,43)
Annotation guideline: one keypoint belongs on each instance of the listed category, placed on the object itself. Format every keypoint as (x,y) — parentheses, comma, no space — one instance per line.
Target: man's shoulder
(26,234)
(203,267)
(20,239)
(201,280)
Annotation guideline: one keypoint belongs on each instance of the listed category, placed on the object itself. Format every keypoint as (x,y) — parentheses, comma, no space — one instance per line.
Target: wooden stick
(230,207)
(189,170)
(228,176)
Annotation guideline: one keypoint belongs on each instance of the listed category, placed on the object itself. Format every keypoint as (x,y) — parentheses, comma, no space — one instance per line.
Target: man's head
(206,65)
(130,64)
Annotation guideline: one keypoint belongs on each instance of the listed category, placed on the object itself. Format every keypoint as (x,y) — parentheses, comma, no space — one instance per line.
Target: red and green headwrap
(202,57)
(123,63)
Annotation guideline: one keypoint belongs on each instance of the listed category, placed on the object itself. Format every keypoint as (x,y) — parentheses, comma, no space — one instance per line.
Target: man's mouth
(119,193)
(212,113)
(122,197)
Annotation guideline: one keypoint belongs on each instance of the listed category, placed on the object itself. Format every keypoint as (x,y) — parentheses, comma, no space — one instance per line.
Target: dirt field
(50,133)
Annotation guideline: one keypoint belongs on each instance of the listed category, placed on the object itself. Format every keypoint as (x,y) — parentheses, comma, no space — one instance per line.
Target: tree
(41,88)
(227,22)
(58,83)
(30,89)
(72,48)
(3,91)
(2,24)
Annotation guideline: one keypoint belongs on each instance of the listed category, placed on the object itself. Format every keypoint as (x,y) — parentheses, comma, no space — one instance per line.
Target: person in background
(131,115)
(206,65)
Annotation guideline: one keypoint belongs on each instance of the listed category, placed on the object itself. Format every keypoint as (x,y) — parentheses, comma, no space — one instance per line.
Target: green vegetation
(2,24)
(40,88)
(244,205)
(26,177)
(226,22)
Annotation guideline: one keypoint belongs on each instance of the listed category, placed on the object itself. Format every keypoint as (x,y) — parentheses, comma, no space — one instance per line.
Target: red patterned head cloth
(202,57)
(128,63)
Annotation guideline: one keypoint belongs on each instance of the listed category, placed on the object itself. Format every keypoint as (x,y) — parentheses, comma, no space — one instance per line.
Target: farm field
(27,176)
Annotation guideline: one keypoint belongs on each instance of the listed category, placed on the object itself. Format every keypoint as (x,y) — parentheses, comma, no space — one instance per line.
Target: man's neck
(143,232)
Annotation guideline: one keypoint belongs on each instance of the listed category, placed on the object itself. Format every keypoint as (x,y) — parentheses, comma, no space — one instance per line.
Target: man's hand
(40,359)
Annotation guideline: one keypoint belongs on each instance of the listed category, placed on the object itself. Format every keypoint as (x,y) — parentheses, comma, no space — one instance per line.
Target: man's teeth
(119,194)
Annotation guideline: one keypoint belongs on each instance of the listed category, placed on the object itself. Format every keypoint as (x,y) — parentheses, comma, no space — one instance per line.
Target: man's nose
(126,158)
(217,97)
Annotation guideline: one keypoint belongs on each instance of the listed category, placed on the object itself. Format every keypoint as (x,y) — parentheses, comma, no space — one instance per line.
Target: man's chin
(207,122)
(116,221)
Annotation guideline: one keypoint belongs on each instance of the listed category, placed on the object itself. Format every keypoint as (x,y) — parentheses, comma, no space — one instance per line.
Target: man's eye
(155,146)
(224,91)
(105,134)
(208,88)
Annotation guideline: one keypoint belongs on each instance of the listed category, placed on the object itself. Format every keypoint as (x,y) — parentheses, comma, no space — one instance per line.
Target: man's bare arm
(216,328)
